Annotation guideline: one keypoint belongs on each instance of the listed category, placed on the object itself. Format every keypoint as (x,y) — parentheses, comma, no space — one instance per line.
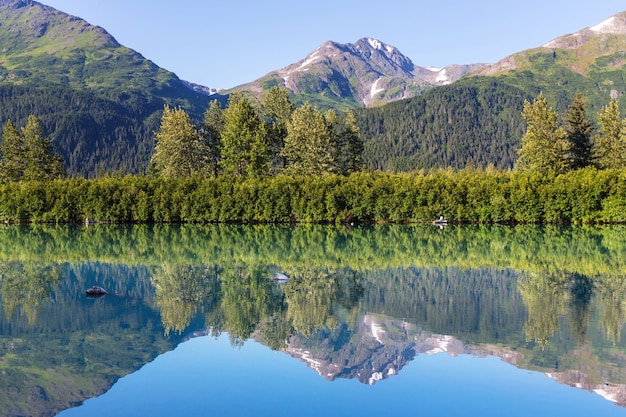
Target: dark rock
(95,291)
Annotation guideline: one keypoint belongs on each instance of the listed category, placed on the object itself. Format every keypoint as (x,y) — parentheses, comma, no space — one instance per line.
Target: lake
(219,320)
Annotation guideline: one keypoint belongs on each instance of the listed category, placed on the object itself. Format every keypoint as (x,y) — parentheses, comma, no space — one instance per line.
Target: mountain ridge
(364,74)
(605,38)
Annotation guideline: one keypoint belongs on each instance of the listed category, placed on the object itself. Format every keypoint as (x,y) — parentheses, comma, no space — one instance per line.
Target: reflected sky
(208,377)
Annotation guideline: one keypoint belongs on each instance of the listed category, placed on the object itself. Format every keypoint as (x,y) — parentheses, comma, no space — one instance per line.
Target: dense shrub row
(473,196)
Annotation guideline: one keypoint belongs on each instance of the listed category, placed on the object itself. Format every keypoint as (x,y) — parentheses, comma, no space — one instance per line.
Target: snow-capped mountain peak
(369,72)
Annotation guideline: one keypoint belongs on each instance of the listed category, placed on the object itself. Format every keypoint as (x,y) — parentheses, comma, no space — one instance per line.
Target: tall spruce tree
(277,109)
(29,155)
(579,130)
(178,152)
(350,146)
(610,142)
(13,153)
(544,145)
(211,135)
(245,140)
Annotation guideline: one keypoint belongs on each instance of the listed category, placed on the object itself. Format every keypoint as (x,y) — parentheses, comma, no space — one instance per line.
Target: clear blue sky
(225,43)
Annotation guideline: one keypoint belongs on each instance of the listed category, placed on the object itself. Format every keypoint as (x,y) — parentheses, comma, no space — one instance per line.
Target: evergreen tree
(610,142)
(278,109)
(308,147)
(245,140)
(211,135)
(350,146)
(544,145)
(13,153)
(579,130)
(178,151)
(28,155)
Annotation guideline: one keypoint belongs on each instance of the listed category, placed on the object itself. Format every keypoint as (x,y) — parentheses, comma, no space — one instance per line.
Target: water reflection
(359,303)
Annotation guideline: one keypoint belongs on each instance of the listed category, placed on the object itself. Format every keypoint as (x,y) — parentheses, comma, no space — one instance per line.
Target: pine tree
(610,142)
(579,130)
(178,151)
(544,145)
(13,153)
(245,140)
(211,135)
(350,155)
(28,155)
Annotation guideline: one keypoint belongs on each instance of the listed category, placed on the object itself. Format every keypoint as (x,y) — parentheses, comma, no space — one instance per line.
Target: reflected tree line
(587,250)
(245,301)
(26,285)
(551,297)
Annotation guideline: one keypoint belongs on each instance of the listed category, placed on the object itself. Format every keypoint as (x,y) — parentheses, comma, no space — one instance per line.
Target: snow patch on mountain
(611,25)
(376,330)
(442,78)
(442,344)
(309,60)
(376,44)
(375,90)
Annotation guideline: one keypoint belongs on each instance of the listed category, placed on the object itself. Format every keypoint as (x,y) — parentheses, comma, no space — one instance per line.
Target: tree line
(278,163)
(551,146)
(245,141)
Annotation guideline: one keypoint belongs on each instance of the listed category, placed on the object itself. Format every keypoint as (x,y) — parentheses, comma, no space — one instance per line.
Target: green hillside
(99,101)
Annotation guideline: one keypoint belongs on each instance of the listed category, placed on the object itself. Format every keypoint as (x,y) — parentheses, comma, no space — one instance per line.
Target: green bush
(467,196)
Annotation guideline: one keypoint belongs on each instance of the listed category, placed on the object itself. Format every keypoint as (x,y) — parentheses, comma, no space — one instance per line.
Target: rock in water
(95,291)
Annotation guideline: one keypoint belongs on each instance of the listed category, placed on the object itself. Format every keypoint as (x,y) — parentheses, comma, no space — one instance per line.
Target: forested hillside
(94,135)
(472,122)
(100,102)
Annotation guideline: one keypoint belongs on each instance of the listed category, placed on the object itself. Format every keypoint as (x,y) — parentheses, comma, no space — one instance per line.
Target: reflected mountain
(359,303)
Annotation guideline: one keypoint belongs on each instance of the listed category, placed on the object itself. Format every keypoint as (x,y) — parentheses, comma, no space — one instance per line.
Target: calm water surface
(385,320)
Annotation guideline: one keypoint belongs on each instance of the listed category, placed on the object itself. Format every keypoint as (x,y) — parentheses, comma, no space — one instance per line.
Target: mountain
(364,74)
(578,52)
(590,61)
(98,100)
(477,120)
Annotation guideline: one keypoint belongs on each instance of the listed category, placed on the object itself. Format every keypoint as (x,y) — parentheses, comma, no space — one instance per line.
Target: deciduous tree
(308,146)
